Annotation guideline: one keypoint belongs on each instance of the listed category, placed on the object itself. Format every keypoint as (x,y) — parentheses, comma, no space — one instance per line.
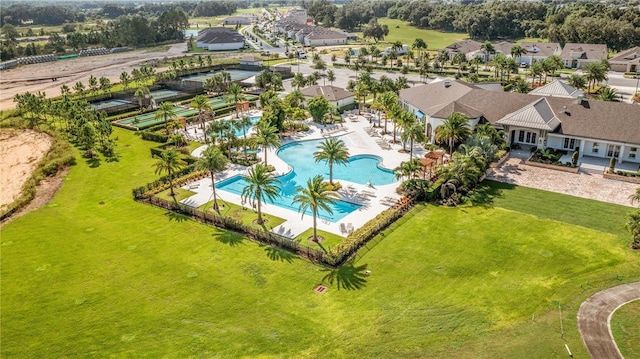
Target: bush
(155,137)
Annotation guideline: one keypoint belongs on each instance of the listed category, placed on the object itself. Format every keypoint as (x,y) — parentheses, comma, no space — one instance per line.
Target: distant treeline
(586,22)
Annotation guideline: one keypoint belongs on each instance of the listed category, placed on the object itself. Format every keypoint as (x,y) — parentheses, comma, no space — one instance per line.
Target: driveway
(582,184)
(594,318)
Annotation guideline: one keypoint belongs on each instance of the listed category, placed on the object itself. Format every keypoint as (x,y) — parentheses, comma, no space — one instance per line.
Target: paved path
(594,318)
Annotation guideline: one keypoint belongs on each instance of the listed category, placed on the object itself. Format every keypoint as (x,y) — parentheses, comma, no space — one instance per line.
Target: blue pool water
(299,155)
(360,169)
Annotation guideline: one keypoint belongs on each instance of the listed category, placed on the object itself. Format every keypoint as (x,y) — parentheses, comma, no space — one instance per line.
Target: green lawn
(245,215)
(95,274)
(407,34)
(625,325)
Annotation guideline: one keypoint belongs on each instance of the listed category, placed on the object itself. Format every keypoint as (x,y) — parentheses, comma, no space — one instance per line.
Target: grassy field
(407,34)
(95,274)
(625,325)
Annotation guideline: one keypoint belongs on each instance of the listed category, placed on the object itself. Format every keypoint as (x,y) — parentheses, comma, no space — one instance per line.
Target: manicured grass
(602,216)
(407,34)
(95,274)
(330,239)
(625,326)
(245,215)
(180,194)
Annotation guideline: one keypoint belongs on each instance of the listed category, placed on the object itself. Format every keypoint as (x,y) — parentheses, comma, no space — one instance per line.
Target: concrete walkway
(583,184)
(594,319)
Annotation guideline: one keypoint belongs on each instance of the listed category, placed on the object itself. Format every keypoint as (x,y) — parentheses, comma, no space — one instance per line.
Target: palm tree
(408,169)
(595,72)
(165,112)
(608,94)
(201,103)
(244,122)
(266,136)
(536,69)
(517,51)
(488,48)
(212,160)
(578,81)
(169,161)
(633,226)
(361,91)
(141,92)
(261,186)
(460,59)
(125,79)
(414,132)
(419,45)
(317,195)
(522,86)
(635,197)
(298,80)
(554,63)
(235,95)
(453,129)
(331,76)
(386,100)
(334,151)
(294,98)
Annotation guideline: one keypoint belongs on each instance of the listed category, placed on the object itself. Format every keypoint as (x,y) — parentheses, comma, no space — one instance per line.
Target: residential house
(597,128)
(319,36)
(626,61)
(220,38)
(472,49)
(337,96)
(576,56)
(538,51)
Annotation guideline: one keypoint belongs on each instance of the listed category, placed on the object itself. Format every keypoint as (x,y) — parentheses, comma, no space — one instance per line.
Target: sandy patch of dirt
(20,152)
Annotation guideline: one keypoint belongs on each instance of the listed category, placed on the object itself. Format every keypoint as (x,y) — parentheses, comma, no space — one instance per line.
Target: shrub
(155,137)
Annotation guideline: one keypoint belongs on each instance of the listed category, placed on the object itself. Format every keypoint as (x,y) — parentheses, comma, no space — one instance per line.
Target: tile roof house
(575,56)
(597,128)
(220,38)
(626,61)
(470,48)
(539,51)
(557,88)
(338,97)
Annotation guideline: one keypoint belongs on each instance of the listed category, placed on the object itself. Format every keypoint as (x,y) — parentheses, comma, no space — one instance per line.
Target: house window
(527,137)
(632,152)
(521,136)
(569,143)
(613,151)
(595,148)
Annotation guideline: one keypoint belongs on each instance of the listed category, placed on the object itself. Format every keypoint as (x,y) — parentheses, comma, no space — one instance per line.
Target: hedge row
(155,137)
(152,188)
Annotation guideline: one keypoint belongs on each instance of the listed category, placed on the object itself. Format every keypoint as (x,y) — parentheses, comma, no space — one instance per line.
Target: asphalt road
(594,318)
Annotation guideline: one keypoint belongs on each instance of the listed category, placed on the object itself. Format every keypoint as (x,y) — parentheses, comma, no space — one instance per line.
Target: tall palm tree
(169,161)
(331,77)
(408,169)
(460,59)
(633,226)
(141,93)
(244,122)
(419,44)
(165,112)
(334,151)
(212,160)
(361,91)
(386,100)
(294,98)
(234,91)
(317,195)
(125,79)
(453,129)
(266,136)
(595,72)
(488,48)
(413,132)
(261,186)
(201,103)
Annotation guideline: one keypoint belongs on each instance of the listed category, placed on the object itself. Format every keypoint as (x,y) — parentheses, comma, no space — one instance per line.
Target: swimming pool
(361,169)
(288,184)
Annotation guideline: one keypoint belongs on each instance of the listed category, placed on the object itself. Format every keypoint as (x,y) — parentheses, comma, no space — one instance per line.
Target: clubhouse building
(555,116)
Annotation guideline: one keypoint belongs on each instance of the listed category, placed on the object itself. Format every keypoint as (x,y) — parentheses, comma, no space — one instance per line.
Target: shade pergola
(437,156)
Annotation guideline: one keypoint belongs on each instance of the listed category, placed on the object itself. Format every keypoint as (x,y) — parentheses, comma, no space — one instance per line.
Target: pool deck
(361,138)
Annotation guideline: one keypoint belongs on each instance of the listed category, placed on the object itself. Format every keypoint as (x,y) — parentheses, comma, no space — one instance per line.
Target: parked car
(524,65)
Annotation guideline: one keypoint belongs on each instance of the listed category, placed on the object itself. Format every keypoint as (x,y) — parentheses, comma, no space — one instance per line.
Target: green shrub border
(59,156)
